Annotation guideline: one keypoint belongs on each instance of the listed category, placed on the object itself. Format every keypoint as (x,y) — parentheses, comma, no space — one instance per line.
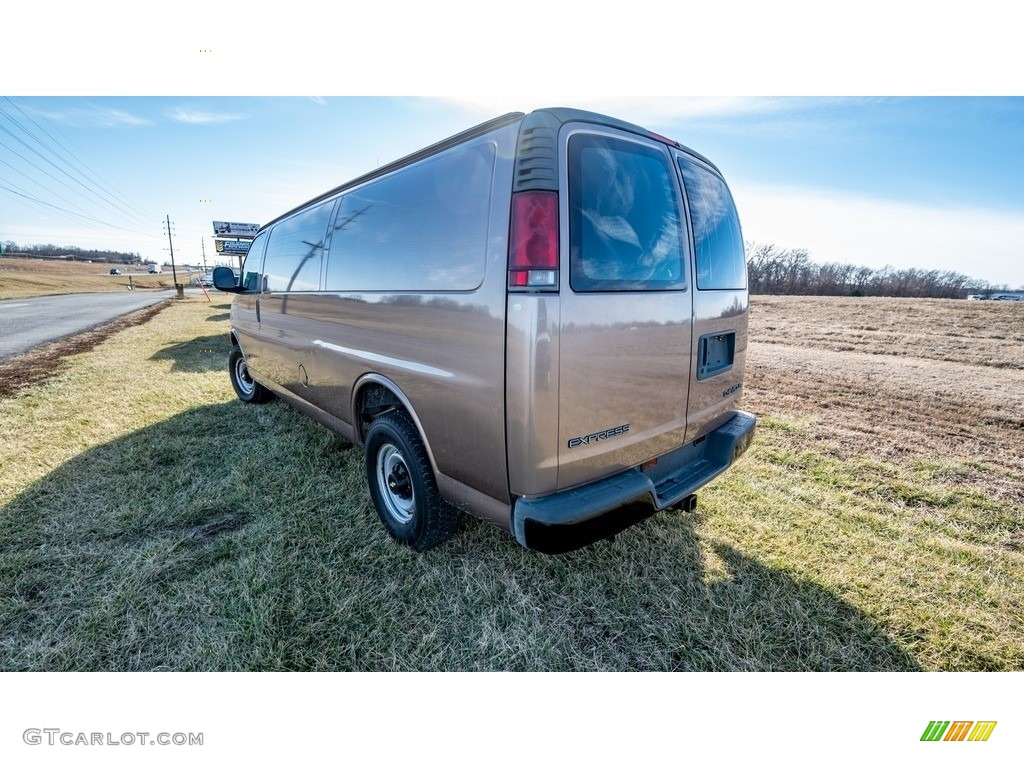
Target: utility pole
(204,255)
(174,271)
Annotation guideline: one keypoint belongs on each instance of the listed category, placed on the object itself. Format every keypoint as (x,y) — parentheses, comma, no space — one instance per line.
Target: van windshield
(624,224)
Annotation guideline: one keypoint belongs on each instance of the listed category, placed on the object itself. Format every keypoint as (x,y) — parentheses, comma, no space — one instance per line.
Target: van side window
(252,267)
(422,229)
(624,223)
(716,229)
(295,250)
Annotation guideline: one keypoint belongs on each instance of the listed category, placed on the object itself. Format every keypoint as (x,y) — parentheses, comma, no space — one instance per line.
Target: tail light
(533,242)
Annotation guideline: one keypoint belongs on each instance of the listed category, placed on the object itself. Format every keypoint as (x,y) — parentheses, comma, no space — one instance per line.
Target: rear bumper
(570,519)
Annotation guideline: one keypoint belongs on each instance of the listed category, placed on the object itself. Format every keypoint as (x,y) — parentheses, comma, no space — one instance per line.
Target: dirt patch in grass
(218,526)
(21,371)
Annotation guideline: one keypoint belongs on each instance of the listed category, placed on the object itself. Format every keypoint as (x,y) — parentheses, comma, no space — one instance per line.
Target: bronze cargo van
(541,321)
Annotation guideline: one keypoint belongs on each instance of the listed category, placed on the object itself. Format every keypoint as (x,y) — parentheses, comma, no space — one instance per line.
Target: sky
(908,182)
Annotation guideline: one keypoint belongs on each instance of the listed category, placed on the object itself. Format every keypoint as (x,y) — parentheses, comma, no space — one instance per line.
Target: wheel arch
(374,394)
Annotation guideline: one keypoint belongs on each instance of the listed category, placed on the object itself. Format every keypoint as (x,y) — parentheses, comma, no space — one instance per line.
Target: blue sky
(926,182)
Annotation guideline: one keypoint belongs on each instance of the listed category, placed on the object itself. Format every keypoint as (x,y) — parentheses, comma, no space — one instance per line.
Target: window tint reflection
(423,228)
(295,250)
(253,264)
(624,226)
(716,229)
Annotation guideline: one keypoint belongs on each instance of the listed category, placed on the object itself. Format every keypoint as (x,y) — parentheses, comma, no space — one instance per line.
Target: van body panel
(245,328)
(531,392)
(712,398)
(285,339)
(457,396)
(625,363)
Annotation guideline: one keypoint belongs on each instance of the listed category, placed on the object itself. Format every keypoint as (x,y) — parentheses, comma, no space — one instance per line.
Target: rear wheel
(248,390)
(402,484)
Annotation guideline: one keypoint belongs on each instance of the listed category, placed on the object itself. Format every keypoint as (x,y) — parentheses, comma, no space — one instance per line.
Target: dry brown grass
(980,333)
(898,379)
(55,266)
(25,278)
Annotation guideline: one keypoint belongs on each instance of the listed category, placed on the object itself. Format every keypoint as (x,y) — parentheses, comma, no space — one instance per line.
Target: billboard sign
(234,229)
(233,246)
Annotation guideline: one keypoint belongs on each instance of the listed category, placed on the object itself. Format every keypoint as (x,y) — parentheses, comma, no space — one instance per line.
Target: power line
(65,210)
(85,169)
(18,170)
(50,191)
(47,160)
(35,202)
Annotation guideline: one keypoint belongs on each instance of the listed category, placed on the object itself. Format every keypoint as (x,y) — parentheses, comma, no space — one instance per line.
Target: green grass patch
(149,520)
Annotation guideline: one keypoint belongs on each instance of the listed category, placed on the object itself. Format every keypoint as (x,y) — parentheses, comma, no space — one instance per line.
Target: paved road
(27,323)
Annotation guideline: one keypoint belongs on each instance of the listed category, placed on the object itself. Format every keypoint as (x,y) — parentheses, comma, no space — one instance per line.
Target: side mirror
(224,280)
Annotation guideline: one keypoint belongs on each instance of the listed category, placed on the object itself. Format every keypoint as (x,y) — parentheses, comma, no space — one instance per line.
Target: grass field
(24,278)
(148,520)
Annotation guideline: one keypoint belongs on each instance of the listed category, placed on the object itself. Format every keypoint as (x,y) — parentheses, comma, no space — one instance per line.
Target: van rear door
(626,308)
(719,300)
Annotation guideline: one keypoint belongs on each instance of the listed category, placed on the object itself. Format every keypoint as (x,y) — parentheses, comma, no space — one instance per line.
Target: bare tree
(775,270)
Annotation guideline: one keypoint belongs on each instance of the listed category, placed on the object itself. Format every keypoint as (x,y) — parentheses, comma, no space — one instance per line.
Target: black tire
(402,484)
(246,388)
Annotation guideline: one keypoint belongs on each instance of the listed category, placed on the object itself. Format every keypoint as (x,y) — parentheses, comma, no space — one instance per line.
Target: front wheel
(247,389)
(402,484)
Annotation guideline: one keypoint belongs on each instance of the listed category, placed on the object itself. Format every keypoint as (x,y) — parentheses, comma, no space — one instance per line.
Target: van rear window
(624,224)
(716,229)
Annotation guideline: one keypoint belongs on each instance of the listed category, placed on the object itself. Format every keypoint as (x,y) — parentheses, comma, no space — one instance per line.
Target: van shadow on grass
(199,355)
(242,537)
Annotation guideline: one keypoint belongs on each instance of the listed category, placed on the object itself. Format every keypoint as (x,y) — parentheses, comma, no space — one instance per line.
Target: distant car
(154,269)
(206,281)
(115,271)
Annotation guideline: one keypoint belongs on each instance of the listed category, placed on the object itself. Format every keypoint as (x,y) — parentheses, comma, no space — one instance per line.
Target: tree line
(790,271)
(70,252)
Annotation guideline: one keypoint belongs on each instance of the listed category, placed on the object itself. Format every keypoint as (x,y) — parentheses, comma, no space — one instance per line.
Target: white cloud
(874,232)
(191,116)
(116,117)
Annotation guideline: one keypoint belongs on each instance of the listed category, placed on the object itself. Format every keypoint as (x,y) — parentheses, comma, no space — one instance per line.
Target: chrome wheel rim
(245,382)
(395,484)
